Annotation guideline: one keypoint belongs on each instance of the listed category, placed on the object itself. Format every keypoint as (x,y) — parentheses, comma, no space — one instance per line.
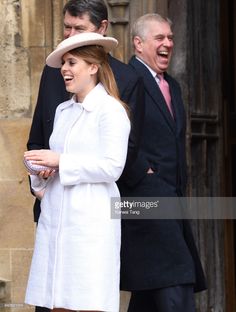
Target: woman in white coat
(76,258)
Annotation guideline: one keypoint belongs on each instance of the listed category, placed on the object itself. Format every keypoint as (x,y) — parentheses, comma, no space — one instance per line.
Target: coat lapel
(153,90)
(177,104)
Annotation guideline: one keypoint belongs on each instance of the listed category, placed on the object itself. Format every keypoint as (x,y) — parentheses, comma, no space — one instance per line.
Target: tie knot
(160,77)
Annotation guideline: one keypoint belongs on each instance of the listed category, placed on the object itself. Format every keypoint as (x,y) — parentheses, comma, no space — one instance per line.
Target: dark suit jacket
(52,92)
(159,253)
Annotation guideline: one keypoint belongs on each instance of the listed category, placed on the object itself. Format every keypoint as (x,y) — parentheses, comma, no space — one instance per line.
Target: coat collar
(91,100)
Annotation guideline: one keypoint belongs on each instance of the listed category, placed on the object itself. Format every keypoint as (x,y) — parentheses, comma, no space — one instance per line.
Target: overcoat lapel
(153,90)
(177,105)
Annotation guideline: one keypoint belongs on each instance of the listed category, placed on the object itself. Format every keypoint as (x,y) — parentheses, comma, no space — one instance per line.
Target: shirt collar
(154,74)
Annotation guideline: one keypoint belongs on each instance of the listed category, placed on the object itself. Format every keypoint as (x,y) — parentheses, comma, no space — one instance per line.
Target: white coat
(76,260)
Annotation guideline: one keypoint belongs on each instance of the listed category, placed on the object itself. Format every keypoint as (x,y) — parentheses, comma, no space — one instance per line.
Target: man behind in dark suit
(159,260)
(84,16)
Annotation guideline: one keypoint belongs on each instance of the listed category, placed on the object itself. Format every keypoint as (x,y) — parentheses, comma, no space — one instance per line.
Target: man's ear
(137,41)
(103,27)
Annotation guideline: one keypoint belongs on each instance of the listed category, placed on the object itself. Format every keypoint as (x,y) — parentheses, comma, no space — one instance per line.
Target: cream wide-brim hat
(79,40)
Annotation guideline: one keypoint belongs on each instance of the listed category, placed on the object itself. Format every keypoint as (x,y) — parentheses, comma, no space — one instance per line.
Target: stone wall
(24,43)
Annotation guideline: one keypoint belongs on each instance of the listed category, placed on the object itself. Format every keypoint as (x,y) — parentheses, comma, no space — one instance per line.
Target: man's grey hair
(140,28)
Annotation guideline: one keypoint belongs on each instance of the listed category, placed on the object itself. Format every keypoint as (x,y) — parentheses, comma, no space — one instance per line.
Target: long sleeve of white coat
(108,164)
(38,183)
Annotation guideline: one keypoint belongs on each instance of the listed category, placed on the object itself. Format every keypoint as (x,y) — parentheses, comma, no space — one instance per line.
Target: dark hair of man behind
(96,9)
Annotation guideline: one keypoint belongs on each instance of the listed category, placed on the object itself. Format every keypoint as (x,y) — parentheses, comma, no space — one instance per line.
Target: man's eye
(79,30)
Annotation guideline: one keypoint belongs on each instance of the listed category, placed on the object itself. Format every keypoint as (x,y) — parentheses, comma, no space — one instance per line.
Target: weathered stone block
(13,139)
(21,260)
(37,62)
(15,77)
(33,21)
(15,82)
(16,217)
(5,265)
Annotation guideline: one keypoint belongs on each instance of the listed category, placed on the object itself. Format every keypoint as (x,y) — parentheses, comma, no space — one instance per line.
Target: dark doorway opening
(228,65)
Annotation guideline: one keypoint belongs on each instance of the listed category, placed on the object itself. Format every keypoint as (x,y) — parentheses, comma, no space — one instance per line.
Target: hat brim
(84,39)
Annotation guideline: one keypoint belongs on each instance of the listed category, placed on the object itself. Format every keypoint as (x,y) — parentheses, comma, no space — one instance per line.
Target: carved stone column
(119,23)
(57,18)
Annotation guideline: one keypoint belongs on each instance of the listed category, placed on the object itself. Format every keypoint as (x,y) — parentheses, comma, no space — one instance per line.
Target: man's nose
(167,42)
(73,32)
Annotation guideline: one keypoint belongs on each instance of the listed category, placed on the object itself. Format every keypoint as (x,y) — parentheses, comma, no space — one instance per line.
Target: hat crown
(79,40)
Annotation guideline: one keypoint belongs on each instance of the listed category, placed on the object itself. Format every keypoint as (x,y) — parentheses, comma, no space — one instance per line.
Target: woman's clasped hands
(43,162)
